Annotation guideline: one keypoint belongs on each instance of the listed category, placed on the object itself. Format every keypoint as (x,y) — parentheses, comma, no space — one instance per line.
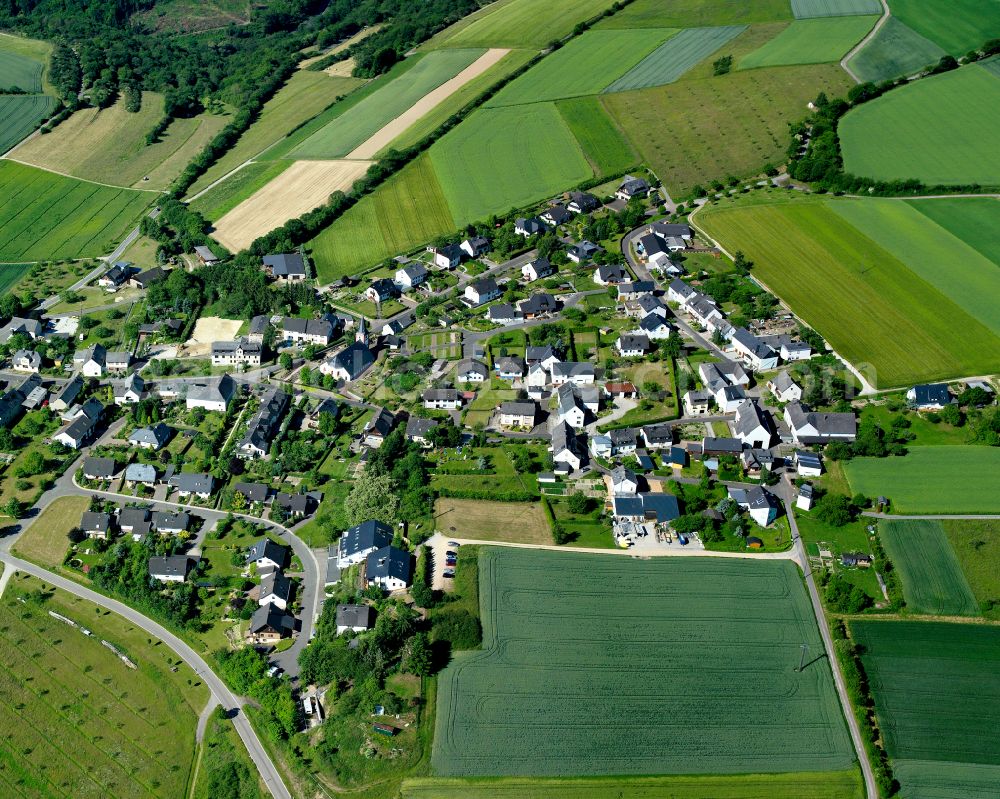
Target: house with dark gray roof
(32,328)
(310,331)
(418,429)
(389,568)
(169,569)
(812,427)
(170,522)
(556,215)
(269,624)
(503,313)
(378,427)
(761,504)
(527,227)
(471,371)
(610,275)
(265,554)
(445,399)
(410,276)
(197,484)
(753,425)
(565,448)
(357,542)
(514,413)
(929,397)
(253,492)
(287,266)
(99,468)
(95,525)
(264,425)
(356,618)
(154,437)
(275,589)
(632,187)
(538,305)
(296,505)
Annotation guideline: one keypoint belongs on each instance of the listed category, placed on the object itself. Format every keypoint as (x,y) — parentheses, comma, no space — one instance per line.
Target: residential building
(579,373)
(503,313)
(212,394)
(752,351)
(680,230)
(538,306)
(729,398)
(610,275)
(79,431)
(581,252)
(660,508)
(153,437)
(269,624)
(632,187)
(95,525)
(653,251)
(623,441)
(418,430)
(696,403)
(546,356)
(475,246)
(264,425)
(482,291)
(703,310)
(442,399)
(297,506)
(471,371)
(600,446)
(680,292)
(784,388)
(812,427)
(357,543)
(654,326)
(537,379)
(410,276)
(169,569)
(623,390)
(808,464)
(658,436)
(118,361)
(205,255)
(518,414)
(632,345)
(570,410)
(381,290)
(64,396)
(623,481)
(350,363)
(581,202)
(258,329)
(252,492)
(753,425)
(566,452)
(140,474)
(275,589)
(32,328)
(929,397)
(761,504)
(169,523)
(196,484)
(266,555)
(510,367)
(129,391)
(529,227)
(26,361)
(288,266)
(635,289)
(133,520)
(144,280)
(378,427)
(115,276)
(241,352)
(355,618)
(446,257)
(537,269)
(309,331)
(556,215)
(91,362)
(99,468)
(389,568)
(713,446)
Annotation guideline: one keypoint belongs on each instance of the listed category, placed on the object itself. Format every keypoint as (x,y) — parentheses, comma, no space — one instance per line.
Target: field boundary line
(225,177)
(886,13)
(8,157)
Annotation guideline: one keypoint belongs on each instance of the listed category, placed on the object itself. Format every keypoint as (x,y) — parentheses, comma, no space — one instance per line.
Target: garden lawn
(810,41)
(805,9)
(603,142)
(949,479)
(586,530)
(976,543)
(339,137)
(934,689)
(503,158)
(691,13)
(932,337)
(519,23)
(44,216)
(482,520)
(852,537)
(223,198)
(695,117)
(939,130)
(20,114)
(895,50)
(675,57)
(932,577)
(404,212)
(586,65)
(611,652)
(44,541)
(955,25)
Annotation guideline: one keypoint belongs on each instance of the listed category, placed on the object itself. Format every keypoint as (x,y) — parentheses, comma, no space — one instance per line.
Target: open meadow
(932,576)
(44,216)
(23,65)
(935,694)
(947,479)
(939,130)
(932,336)
(976,543)
(78,721)
(519,23)
(635,660)
(45,541)
(811,41)
(481,520)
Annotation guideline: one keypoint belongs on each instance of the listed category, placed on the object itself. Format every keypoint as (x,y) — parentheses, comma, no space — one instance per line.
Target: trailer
(384,729)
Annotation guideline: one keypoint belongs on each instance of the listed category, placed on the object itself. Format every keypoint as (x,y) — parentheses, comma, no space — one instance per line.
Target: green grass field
(78,722)
(818,785)
(976,543)
(44,216)
(519,23)
(932,577)
(358,123)
(949,479)
(957,26)
(970,219)
(805,9)
(18,70)
(811,41)
(612,657)
(695,116)
(405,211)
(305,95)
(675,57)
(896,50)
(221,199)
(957,270)
(934,687)
(603,142)
(932,337)
(20,114)
(502,158)
(584,66)
(696,13)
(938,130)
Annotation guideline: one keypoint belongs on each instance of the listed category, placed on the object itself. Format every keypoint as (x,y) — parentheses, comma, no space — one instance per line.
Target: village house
(82,426)
(680,292)
(482,291)
(712,446)
(696,403)
(378,427)
(520,414)
(140,474)
(381,290)
(753,425)
(410,276)
(241,352)
(447,257)
(761,504)
(361,540)
(929,397)
(653,251)
(418,430)
(703,310)
(640,508)
(389,568)
(623,441)
(579,373)
(580,202)
(92,361)
(196,484)
(537,269)
(269,624)
(632,345)
(442,399)
(144,280)
(754,461)
(309,331)
(355,618)
(784,388)
(546,356)
(503,313)
(471,371)
(205,255)
(610,275)
(510,367)
(570,410)
(538,306)
(267,555)
(654,327)
(623,482)
(258,329)
(632,187)
(128,391)
(212,395)
(622,390)
(169,569)
(264,425)
(556,215)
(804,498)
(275,589)
(529,227)
(154,437)
(26,361)
(95,525)
(565,448)
(64,396)
(32,328)
(475,246)
(635,289)
(808,464)
(170,522)
(297,506)
(658,436)
(115,276)
(99,468)
(811,427)
(537,380)
(287,266)
(584,251)
(752,351)
(253,493)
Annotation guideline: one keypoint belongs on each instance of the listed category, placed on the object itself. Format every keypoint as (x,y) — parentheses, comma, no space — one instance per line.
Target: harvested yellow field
(425,104)
(300,188)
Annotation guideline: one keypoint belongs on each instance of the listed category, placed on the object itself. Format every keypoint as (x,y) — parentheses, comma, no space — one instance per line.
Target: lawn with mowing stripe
(695,13)
(931,337)
(358,123)
(810,41)
(695,117)
(603,142)
(947,479)
(584,66)
(957,26)
(932,577)
(804,9)
(45,216)
(405,211)
(519,23)
(503,158)
(817,785)
(942,129)
(957,270)
(636,660)
(934,686)
(675,57)
(896,50)
(223,198)
(20,114)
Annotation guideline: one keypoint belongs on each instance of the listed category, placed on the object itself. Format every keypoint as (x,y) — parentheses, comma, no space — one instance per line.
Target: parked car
(449,573)
(451,554)
(454,544)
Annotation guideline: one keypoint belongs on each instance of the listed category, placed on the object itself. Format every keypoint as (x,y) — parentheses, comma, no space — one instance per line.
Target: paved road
(268,771)
(886,13)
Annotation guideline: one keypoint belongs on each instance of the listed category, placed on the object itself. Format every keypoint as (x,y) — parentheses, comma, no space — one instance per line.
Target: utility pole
(802,657)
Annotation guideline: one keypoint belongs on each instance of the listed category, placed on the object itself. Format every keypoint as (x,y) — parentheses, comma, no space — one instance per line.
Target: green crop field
(947,479)
(941,129)
(657,665)
(584,66)
(358,123)
(810,41)
(519,23)
(935,694)
(18,70)
(817,785)
(9,275)
(20,114)
(932,337)
(957,270)
(976,543)
(695,117)
(77,721)
(603,142)
(696,13)
(44,216)
(955,25)
(502,158)
(219,200)
(804,9)
(971,219)
(932,577)
(407,210)
(896,50)
(675,57)
(305,95)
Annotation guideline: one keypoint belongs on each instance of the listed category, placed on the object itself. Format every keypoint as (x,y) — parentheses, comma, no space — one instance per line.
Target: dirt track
(425,104)
(300,188)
